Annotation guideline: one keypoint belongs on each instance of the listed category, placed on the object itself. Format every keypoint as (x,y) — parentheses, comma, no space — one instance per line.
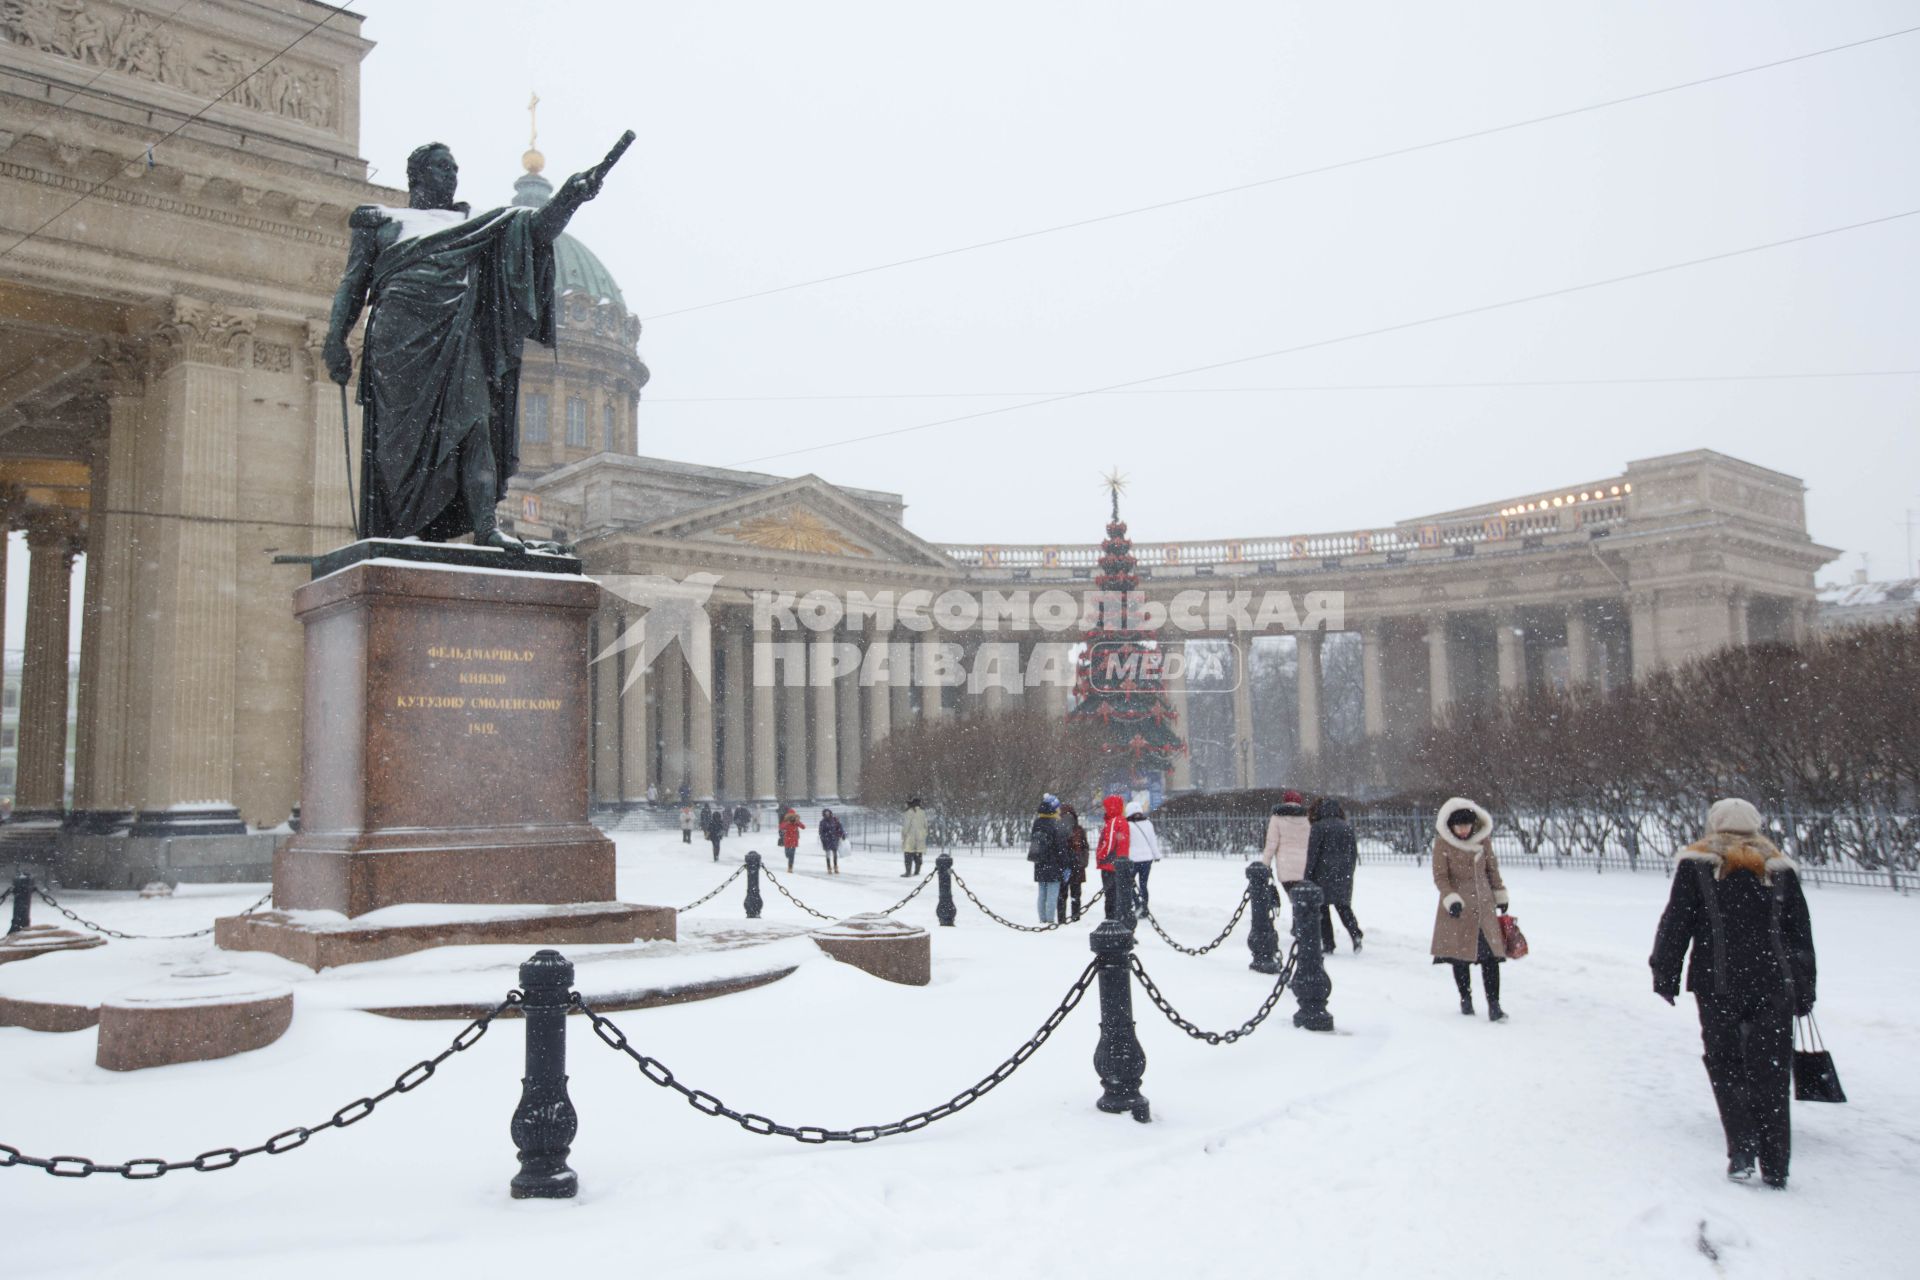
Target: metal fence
(1407,836)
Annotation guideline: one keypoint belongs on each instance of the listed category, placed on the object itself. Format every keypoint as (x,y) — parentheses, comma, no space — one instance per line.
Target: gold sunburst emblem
(795,529)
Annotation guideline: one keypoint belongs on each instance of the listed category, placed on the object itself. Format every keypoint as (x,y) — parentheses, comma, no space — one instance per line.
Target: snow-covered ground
(1577,1140)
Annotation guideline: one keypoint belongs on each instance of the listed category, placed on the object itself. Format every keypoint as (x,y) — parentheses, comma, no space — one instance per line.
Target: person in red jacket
(790,829)
(1110,854)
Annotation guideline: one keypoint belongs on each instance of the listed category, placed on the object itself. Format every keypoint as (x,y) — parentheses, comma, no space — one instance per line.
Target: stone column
(1242,709)
(1373,687)
(1737,602)
(826,739)
(1510,659)
(1439,668)
(636,729)
(106,636)
(1182,774)
(1643,620)
(1579,646)
(675,770)
(733,710)
(900,663)
(700,711)
(606,709)
(797,784)
(933,696)
(882,656)
(766,783)
(1308,665)
(852,741)
(40,789)
(187,553)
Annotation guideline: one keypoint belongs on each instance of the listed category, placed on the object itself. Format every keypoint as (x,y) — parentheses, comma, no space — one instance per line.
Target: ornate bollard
(753,886)
(544,1123)
(1118,1059)
(945,911)
(22,902)
(1263,940)
(1311,985)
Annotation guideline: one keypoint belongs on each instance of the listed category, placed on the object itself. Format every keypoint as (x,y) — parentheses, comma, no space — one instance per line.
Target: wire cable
(1324,386)
(1316,344)
(1315,171)
(121,168)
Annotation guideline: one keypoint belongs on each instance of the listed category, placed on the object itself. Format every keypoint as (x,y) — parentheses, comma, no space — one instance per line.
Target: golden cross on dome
(533,123)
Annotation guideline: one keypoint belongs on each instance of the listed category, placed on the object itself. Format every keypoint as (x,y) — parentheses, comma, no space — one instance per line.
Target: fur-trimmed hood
(1482,824)
(1730,851)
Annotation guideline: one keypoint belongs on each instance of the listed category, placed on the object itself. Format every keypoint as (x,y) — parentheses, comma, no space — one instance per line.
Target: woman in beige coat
(1466,923)
(1286,848)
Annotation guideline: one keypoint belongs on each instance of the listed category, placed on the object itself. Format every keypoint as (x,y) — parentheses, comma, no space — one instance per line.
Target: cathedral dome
(576,268)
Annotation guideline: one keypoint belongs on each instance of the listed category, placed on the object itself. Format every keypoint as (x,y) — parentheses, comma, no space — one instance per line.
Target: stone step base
(323,940)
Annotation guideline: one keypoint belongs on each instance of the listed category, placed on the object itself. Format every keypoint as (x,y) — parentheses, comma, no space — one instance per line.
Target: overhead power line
(1462,313)
(1317,170)
(1493,384)
(84,196)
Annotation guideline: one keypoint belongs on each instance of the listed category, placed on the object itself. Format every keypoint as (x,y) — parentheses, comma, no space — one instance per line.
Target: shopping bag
(1814,1079)
(1511,938)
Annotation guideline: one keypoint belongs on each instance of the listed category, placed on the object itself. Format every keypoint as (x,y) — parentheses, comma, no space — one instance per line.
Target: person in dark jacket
(831,834)
(1332,855)
(1736,905)
(1078,852)
(713,824)
(742,817)
(1047,851)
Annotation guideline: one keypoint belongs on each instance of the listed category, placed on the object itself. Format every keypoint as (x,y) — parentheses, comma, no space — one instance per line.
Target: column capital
(56,529)
(122,365)
(200,332)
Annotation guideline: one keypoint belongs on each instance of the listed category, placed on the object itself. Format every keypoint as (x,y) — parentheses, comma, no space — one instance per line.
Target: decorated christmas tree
(1118,684)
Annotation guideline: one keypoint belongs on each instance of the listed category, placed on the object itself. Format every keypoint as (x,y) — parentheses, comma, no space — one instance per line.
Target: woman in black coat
(1736,904)
(1332,855)
(1047,851)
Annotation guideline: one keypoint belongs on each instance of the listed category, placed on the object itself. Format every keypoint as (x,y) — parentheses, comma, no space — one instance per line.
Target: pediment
(804,517)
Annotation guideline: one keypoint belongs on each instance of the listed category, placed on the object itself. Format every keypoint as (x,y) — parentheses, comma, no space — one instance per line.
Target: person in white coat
(1143,850)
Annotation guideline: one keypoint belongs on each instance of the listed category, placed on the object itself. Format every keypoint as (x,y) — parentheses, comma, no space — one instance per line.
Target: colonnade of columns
(790,716)
(799,717)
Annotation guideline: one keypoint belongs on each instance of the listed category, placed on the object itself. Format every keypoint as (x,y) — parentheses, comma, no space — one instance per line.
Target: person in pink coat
(1288,831)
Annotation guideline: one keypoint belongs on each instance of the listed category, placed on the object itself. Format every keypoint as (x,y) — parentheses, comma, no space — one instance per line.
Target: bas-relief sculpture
(140,45)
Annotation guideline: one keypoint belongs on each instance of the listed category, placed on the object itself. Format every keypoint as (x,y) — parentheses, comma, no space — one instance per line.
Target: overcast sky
(782,142)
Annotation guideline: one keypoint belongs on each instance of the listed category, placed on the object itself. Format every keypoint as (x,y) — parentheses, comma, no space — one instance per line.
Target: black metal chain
(85,923)
(925,880)
(280,1143)
(997,918)
(706,1104)
(1246,1028)
(705,898)
(1246,897)
(775,880)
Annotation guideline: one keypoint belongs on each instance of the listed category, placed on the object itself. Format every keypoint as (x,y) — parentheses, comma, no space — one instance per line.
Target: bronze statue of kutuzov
(453,296)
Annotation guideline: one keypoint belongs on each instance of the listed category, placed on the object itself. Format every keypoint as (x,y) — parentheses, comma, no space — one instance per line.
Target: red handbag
(1512,939)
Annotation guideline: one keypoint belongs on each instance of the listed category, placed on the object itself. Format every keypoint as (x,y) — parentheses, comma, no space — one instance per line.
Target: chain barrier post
(754,901)
(22,902)
(1118,1059)
(1263,940)
(1311,985)
(544,1123)
(945,911)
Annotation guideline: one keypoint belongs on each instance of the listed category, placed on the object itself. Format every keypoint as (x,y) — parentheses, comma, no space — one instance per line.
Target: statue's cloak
(451,307)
